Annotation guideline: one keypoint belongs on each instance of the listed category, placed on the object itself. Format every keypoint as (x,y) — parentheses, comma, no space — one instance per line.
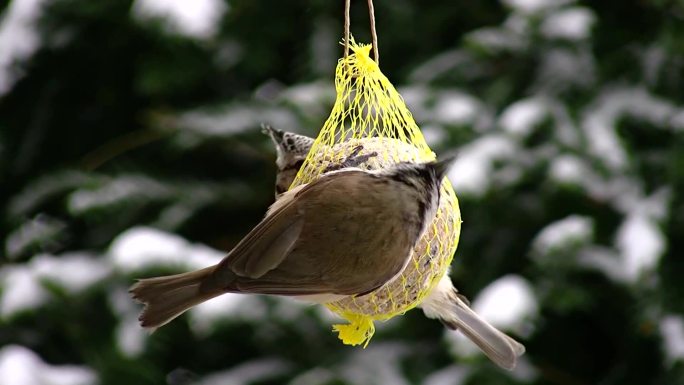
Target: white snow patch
(290,309)
(204,316)
(566,131)
(455,108)
(498,39)
(521,117)
(143,247)
(258,370)
(115,191)
(559,234)
(599,122)
(677,120)
(434,135)
(233,120)
(121,304)
(562,68)
(415,95)
(656,206)
(623,193)
(525,371)
(315,376)
(18,39)
(437,66)
(20,290)
(450,375)
(73,271)
(568,169)
(507,303)
(641,245)
(197,18)
(312,99)
(173,216)
(603,140)
(417,98)
(534,6)
(652,60)
(518,24)
(472,170)
(572,24)
(672,331)
(33,233)
(130,336)
(22,287)
(639,242)
(44,188)
(21,366)
(379,364)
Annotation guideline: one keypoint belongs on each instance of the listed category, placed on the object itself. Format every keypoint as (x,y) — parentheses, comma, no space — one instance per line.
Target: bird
(444,302)
(291,152)
(345,234)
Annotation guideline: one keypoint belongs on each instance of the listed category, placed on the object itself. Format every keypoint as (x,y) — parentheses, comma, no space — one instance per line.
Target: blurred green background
(130,146)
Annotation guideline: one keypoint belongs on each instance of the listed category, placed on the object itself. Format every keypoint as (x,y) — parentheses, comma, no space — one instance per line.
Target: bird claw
(352,160)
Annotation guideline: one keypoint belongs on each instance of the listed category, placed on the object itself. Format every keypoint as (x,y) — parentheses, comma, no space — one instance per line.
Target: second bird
(444,302)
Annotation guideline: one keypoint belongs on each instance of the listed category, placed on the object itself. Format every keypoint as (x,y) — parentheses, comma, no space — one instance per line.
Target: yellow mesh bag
(369,112)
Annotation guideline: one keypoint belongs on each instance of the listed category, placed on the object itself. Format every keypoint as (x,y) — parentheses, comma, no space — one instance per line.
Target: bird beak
(274,133)
(443,165)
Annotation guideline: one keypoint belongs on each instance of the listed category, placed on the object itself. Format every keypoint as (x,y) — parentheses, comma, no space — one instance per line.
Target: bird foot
(352,160)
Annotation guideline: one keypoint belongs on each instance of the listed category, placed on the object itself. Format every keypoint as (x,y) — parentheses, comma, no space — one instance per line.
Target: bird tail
(499,347)
(165,298)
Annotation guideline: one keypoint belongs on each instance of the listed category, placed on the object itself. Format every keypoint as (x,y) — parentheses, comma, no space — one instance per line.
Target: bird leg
(352,160)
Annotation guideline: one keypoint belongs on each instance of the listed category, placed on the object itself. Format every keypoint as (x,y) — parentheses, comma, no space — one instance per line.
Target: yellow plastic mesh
(368,111)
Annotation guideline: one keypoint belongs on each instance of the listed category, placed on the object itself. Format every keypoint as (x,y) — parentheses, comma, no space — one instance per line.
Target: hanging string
(346,27)
(371,13)
(374,35)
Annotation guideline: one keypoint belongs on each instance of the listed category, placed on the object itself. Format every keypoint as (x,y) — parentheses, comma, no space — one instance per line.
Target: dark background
(131,147)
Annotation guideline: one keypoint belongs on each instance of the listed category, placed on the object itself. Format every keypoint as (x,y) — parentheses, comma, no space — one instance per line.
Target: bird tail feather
(499,347)
(165,298)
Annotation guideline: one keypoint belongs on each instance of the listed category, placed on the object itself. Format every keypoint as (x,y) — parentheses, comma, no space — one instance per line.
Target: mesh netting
(370,113)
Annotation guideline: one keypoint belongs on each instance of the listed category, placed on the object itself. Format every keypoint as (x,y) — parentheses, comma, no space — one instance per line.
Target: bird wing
(315,244)
(270,242)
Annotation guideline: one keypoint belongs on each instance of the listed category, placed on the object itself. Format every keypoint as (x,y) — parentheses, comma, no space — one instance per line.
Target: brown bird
(345,234)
